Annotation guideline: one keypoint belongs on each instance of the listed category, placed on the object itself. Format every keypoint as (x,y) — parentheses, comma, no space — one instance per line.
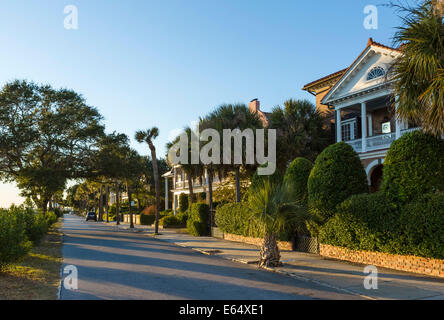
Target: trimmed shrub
(235,218)
(149,210)
(13,240)
(422,225)
(183,202)
(375,223)
(336,175)
(198,218)
(147,219)
(179,220)
(414,166)
(296,177)
(364,222)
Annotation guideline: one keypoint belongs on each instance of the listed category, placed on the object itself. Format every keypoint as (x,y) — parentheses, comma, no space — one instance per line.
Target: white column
(166,193)
(370,125)
(338,126)
(364,126)
(398,124)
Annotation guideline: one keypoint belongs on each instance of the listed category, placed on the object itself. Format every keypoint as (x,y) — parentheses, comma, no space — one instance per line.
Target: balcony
(379,142)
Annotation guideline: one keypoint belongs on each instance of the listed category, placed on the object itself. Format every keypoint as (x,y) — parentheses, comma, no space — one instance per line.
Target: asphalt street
(115,264)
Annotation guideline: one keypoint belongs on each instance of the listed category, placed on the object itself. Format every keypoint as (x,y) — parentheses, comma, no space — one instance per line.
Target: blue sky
(146,63)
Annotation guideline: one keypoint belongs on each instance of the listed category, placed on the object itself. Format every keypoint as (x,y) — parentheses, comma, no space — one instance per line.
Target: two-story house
(361,99)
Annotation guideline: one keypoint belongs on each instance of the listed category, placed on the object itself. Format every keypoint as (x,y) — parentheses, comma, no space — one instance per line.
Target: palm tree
(148,136)
(273,208)
(419,72)
(238,116)
(300,131)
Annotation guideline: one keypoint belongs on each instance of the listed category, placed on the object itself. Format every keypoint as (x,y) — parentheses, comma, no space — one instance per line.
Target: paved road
(113,264)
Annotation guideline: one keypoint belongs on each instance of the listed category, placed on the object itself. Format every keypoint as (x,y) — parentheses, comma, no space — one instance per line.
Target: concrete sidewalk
(339,275)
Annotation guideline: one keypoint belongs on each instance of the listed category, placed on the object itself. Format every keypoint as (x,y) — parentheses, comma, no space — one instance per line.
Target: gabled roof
(370,44)
(323,79)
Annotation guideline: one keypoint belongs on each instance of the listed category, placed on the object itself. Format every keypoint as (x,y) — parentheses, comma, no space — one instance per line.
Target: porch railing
(383,141)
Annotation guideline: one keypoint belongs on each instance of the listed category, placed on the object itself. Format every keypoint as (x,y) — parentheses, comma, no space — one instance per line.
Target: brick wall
(283,246)
(431,267)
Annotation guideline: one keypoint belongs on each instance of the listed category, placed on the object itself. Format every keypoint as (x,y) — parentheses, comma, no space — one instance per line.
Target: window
(346,132)
(376,72)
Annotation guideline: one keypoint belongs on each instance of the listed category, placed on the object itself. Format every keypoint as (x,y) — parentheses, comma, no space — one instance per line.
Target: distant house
(359,103)
(180,178)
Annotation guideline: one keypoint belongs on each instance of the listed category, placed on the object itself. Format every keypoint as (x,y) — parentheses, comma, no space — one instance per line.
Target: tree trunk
(129,204)
(117,203)
(270,255)
(156,185)
(101,204)
(107,202)
(190,188)
(210,195)
(238,193)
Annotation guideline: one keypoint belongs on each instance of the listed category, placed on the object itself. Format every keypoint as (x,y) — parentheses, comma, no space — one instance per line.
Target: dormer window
(376,72)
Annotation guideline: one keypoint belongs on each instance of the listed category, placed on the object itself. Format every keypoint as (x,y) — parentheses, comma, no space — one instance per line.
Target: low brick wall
(431,267)
(284,246)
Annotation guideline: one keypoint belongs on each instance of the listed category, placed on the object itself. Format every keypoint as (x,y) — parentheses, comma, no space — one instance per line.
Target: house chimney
(254,106)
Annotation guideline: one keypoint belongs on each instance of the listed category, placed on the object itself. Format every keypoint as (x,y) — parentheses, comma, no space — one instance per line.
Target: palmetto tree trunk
(210,195)
(156,184)
(130,207)
(270,254)
(107,202)
(190,186)
(117,203)
(101,204)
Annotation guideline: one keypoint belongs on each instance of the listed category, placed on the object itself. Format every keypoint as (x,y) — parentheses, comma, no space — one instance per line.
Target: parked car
(91,216)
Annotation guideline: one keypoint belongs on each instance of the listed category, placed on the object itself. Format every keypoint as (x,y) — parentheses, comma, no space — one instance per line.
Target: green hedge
(336,175)
(235,218)
(183,202)
(297,176)
(36,225)
(14,243)
(414,166)
(198,219)
(376,223)
(147,219)
(175,221)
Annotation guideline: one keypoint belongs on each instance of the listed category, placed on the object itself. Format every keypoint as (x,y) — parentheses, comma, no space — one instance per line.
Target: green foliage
(257,181)
(419,72)
(36,225)
(147,219)
(14,243)
(300,131)
(202,196)
(198,219)
(236,218)
(414,166)
(296,177)
(375,223)
(51,218)
(273,208)
(111,218)
(183,202)
(179,220)
(363,222)
(422,224)
(336,175)
(46,136)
